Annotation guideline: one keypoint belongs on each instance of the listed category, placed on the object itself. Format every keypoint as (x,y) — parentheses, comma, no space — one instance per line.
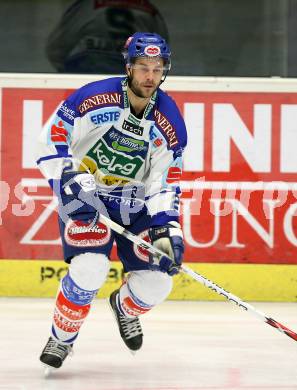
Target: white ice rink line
(187,346)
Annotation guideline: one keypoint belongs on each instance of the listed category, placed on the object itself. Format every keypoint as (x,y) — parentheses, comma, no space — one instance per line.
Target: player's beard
(140,91)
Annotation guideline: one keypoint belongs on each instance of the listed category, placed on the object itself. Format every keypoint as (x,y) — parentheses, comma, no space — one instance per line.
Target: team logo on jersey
(115,163)
(157,140)
(152,51)
(103,99)
(168,130)
(126,144)
(85,234)
(173,175)
(105,117)
(67,112)
(132,128)
(58,133)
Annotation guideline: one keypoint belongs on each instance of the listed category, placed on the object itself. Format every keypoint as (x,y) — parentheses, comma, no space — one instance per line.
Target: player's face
(146,74)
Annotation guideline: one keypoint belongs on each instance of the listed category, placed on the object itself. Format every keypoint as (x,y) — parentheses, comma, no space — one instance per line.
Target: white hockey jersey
(96,130)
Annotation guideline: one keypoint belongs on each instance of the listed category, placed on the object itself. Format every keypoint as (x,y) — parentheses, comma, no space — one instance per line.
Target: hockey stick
(201,279)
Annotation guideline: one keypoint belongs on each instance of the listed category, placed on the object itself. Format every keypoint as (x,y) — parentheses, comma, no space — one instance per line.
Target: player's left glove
(169,239)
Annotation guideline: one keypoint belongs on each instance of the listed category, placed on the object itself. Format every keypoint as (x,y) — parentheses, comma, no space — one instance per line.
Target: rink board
(250,282)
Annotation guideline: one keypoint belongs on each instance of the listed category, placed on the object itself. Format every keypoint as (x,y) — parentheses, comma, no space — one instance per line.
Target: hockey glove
(76,192)
(169,239)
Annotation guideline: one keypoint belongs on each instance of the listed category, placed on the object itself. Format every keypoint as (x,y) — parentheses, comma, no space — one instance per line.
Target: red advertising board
(239,196)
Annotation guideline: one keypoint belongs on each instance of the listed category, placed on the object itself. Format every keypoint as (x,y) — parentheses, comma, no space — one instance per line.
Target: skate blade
(48,370)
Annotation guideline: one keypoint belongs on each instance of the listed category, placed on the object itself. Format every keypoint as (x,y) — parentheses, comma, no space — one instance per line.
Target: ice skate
(53,355)
(130,328)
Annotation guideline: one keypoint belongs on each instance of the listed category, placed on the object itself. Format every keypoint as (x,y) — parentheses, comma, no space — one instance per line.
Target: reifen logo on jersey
(152,51)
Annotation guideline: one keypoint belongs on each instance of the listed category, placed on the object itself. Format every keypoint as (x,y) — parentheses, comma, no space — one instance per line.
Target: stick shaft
(199,278)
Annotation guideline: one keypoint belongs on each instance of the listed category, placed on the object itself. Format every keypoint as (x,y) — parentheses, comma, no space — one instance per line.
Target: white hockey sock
(87,272)
(130,305)
(72,306)
(142,291)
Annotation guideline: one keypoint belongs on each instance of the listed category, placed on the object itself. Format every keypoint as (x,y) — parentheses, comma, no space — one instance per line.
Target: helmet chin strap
(164,77)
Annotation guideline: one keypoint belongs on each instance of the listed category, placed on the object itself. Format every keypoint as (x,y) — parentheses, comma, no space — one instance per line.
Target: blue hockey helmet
(144,44)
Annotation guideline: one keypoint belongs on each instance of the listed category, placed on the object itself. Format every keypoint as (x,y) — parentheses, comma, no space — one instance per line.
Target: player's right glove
(76,192)
(169,239)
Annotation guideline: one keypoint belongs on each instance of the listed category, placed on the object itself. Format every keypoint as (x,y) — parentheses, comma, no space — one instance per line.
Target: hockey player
(115,147)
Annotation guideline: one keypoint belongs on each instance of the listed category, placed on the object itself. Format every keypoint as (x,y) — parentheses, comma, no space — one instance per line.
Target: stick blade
(281,328)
